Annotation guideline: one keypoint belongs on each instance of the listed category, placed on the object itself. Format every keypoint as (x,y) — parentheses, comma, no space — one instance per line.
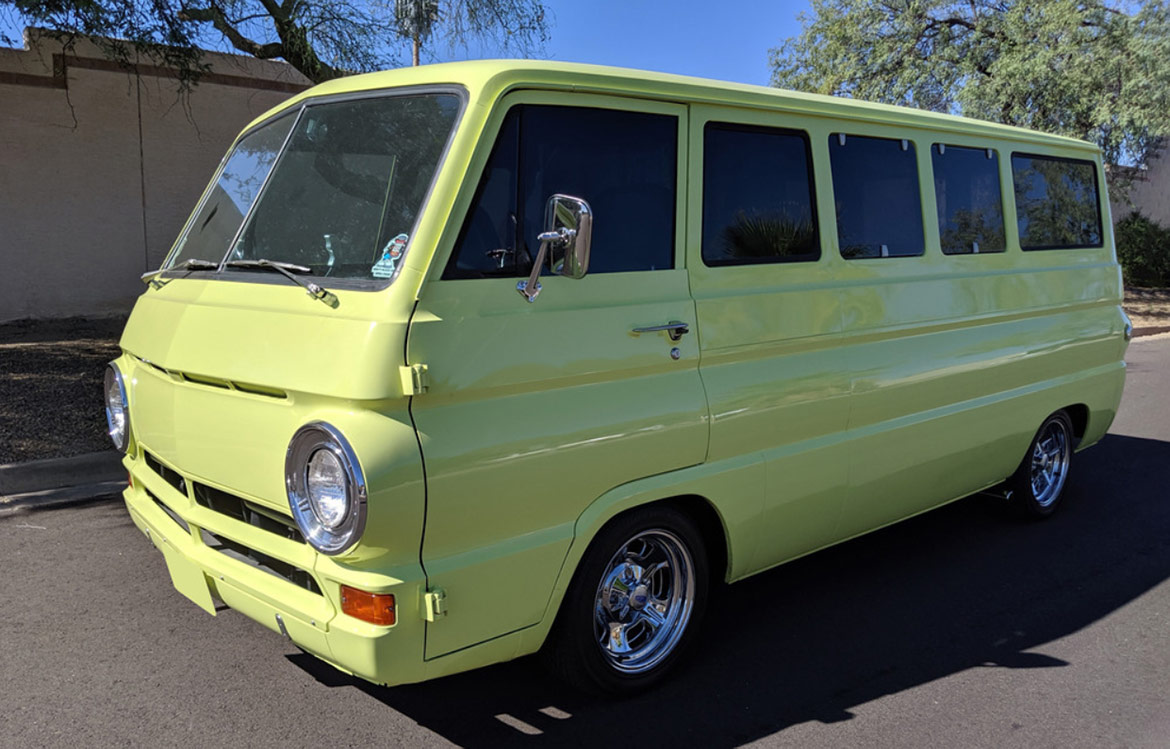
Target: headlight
(117,408)
(326,489)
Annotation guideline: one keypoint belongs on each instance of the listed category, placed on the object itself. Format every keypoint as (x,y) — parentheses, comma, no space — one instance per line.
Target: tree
(1081,69)
(323,39)
(416,21)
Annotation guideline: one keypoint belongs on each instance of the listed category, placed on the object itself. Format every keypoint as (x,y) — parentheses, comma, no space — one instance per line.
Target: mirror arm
(531,288)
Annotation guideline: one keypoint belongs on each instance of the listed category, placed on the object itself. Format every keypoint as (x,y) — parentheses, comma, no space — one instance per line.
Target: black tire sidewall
(1022,480)
(579,658)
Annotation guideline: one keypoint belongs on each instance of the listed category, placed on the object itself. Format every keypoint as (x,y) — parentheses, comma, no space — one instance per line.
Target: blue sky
(728,40)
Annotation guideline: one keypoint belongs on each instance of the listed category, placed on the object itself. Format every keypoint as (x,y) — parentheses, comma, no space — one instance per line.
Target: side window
(624,164)
(1057,203)
(879,206)
(758,204)
(487,243)
(970,202)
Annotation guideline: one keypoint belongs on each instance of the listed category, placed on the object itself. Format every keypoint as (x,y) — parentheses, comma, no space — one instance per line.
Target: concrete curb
(54,481)
(1151,330)
(64,497)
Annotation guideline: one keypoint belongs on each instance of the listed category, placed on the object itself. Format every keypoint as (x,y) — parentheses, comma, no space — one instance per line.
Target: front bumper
(257,566)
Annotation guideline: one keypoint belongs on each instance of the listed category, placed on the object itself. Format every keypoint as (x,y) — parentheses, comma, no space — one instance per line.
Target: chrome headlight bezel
(307,441)
(119,433)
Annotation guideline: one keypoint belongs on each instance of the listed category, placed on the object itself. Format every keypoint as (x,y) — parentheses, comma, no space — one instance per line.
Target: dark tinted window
(623,164)
(879,207)
(757,196)
(487,244)
(970,203)
(1056,202)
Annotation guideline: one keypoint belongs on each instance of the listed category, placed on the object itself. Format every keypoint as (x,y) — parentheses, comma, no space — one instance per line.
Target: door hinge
(434,605)
(414,379)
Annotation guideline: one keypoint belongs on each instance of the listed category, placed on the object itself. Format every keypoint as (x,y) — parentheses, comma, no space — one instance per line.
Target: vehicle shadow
(964,587)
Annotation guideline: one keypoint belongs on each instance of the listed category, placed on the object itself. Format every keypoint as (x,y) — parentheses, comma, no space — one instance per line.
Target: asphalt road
(962,627)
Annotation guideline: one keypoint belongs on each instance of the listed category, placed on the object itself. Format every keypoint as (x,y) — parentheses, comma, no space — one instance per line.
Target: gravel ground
(51,379)
(1148,307)
(51,386)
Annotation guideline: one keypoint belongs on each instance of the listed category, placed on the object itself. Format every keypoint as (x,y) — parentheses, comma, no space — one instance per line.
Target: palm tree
(416,20)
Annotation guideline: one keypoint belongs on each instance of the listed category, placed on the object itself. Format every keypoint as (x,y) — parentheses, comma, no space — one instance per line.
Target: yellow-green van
(459,363)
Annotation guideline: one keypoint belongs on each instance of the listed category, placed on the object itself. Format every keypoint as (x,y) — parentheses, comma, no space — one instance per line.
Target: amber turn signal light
(375,608)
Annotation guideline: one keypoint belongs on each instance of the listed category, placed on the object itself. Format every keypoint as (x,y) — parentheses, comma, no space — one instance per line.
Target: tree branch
(216,18)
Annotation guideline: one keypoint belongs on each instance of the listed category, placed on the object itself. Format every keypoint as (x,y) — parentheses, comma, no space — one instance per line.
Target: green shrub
(1143,249)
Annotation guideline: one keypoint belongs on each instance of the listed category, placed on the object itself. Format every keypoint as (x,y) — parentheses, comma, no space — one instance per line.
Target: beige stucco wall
(99,168)
(1149,193)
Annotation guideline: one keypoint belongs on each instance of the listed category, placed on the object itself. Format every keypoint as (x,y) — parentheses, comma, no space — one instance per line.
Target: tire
(605,639)
(1038,484)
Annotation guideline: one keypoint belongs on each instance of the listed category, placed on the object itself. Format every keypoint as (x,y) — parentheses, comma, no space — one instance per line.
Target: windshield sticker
(391,254)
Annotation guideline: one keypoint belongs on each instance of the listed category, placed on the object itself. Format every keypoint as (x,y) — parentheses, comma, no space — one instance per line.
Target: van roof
(492,78)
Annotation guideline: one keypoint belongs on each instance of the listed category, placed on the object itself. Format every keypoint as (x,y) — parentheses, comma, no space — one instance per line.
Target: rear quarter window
(1057,202)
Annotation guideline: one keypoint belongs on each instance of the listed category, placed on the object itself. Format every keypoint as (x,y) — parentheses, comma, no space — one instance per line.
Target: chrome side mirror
(565,242)
(572,220)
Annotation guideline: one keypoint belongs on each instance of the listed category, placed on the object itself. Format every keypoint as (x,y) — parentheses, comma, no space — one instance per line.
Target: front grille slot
(216,382)
(208,381)
(261,561)
(170,513)
(168,475)
(247,512)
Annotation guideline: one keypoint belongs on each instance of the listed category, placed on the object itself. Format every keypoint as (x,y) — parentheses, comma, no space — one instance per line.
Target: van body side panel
(776,376)
(957,359)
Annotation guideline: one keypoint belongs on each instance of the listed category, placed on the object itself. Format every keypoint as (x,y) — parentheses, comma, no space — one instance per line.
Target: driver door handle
(675,329)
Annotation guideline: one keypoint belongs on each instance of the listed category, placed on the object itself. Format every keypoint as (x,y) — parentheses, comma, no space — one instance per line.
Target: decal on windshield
(391,254)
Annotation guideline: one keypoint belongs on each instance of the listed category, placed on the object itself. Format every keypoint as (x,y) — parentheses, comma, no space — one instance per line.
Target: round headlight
(326,489)
(117,408)
(326,482)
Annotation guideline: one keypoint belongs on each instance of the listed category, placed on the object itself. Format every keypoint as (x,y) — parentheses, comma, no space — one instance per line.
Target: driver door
(534,410)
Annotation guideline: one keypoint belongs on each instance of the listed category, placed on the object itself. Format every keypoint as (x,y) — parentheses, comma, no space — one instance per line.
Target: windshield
(343,196)
(232,195)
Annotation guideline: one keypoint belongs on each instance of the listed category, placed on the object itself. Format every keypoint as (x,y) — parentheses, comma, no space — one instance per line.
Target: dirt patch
(51,387)
(1148,308)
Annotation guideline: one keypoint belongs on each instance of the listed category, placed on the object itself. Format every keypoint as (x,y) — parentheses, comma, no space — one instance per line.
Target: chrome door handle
(675,329)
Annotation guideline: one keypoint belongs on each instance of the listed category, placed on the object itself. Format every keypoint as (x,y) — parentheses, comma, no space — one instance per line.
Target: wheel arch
(701,509)
(724,499)
(1078,413)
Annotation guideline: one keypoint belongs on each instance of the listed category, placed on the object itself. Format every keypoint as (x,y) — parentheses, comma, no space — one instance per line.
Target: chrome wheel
(644,601)
(1050,459)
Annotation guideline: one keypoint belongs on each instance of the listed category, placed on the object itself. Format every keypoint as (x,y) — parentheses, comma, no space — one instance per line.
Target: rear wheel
(635,603)
(1038,484)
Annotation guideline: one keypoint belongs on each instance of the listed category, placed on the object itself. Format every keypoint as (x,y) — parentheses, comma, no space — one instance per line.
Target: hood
(272,336)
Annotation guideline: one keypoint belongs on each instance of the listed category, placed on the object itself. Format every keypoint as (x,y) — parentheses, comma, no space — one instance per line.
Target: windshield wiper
(288,270)
(189,264)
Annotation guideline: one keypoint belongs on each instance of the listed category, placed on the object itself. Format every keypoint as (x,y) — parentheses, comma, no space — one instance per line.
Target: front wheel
(1038,483)
(634,605)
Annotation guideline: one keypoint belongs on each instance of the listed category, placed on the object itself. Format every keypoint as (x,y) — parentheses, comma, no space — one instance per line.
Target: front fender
(733,488)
